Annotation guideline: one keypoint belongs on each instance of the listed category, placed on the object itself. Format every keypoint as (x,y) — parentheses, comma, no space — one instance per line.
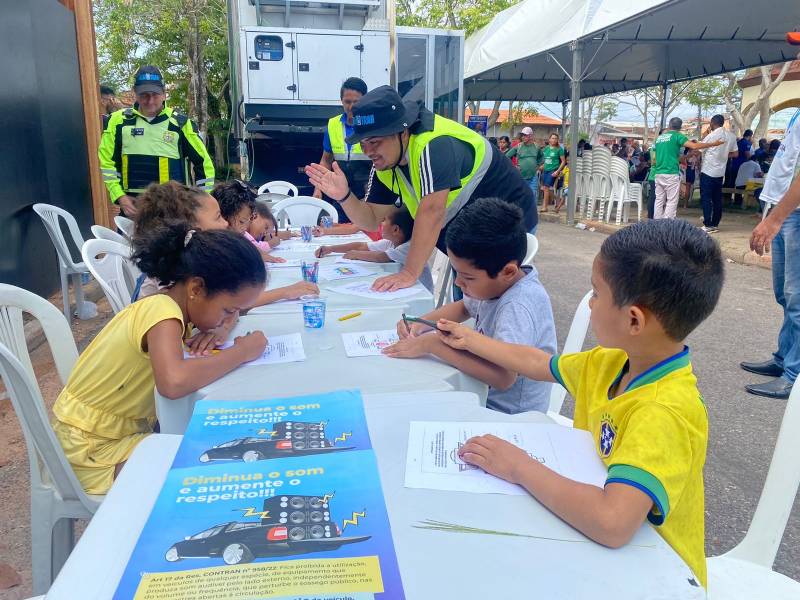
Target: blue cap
(148,79)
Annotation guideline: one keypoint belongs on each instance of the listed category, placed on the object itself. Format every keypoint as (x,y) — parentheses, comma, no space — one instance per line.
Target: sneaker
(706,229)
(712,230)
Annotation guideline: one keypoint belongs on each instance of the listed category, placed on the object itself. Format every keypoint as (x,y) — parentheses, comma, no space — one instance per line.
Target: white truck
(288,59)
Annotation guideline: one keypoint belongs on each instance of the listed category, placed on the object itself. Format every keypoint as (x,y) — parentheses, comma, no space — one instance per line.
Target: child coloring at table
(395,242)
(486,243)
(171,201)
(263,228)
(237,201)
(653,283)
(107,406)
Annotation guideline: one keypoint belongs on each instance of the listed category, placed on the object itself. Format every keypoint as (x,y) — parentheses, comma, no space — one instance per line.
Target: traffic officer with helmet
(434,165)
(151,143)
(355,164)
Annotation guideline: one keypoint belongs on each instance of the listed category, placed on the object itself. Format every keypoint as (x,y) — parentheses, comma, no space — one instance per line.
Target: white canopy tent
(555,50)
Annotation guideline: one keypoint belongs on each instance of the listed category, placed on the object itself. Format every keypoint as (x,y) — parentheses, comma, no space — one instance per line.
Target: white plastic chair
(623,191)
(303,210)
(573,343)
(279,187)
(115,271)
(745,572)
(533,248)
(56,496)
(125,225)
(585,189)
(67,267)
(601,182)
(104,233)
(13,302)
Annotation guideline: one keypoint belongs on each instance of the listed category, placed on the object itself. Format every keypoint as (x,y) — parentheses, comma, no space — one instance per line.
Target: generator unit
(289,58)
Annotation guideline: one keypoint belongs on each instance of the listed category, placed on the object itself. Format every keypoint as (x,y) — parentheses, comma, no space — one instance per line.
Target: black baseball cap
(148,79)
(381,112)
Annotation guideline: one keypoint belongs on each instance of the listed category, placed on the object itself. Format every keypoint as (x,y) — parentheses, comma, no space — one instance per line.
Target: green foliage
(131,33)
(469,15)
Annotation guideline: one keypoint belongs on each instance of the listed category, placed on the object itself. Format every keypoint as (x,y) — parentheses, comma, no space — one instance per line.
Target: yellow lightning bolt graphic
(343,437)
(252,512)
(354,519)
(267,431)
(326,498)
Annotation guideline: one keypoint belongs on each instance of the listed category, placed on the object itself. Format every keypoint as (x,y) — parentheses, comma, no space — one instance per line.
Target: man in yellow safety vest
(150,143)
(435,166)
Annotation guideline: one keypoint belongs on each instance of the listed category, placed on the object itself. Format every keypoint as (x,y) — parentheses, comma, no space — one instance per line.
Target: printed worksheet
(332,240)
(336,272)
(368,343)
(280,349)
(433,462)
(292,246)
(364,290)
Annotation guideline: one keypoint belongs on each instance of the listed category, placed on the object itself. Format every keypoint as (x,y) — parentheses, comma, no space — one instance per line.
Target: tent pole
(564,121)
(575,99)
(664,92)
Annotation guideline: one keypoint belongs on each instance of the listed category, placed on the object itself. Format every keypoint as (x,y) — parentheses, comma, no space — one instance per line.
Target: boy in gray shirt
(486,243)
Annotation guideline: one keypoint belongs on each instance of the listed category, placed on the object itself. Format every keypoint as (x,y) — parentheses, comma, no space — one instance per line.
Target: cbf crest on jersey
(607,435)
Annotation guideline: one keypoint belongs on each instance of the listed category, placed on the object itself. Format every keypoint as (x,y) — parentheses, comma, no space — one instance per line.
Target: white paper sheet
(292,246)
(336,272)
(368,343)
(341,239)
(432,461)
(289,264)
(280,349)
(364,290)
(352,261)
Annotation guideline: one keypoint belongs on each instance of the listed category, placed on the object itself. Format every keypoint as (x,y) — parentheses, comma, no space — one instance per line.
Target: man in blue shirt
(350,158)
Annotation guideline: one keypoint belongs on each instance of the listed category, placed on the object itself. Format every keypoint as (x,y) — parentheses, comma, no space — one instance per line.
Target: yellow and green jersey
(651,436)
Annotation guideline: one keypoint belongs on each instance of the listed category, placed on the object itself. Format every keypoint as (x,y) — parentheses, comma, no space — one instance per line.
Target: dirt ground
(15,559)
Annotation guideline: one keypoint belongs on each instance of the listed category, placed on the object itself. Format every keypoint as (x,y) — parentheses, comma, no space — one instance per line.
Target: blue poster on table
(304,522)
(248,431)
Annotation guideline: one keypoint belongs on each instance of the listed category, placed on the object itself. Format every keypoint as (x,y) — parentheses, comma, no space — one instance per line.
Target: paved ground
(743,428)
(742,434)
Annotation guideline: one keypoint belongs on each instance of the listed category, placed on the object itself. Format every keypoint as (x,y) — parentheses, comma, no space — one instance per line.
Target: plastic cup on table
(310,271)
(313,312)
(306,232)
(326,222)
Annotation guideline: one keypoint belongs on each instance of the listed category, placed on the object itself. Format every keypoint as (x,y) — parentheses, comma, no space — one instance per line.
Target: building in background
(542,126)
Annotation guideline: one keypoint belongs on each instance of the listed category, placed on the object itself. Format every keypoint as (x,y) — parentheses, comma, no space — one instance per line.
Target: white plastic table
(418,304)
(433,564)
(326,367)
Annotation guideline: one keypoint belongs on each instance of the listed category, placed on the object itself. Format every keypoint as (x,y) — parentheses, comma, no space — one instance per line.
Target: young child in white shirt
(396,231)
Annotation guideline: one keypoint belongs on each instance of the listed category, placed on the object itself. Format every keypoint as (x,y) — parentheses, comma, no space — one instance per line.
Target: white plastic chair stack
(586,181)
(125,225)
(302,210)
(745,572)
(623,192)
(111,265)
(67,267)
(57,497)
(279,187)
(573,343)
(104,233)
(601,182)
(576,179)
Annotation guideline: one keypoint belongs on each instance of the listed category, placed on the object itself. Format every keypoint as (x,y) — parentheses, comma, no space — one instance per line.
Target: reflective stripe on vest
(409,191)
(155,150)
(338,144)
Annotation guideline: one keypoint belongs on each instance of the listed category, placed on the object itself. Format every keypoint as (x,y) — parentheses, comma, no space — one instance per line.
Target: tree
(187,40)
(594,111)
(732,94)
(705,95)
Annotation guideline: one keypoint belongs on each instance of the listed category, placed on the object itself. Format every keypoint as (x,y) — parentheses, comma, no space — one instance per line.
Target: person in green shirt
(553,163)
(529,157)
(667,167)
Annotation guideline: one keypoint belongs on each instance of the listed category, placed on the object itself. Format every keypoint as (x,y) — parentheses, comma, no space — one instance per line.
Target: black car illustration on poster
(291,525)
(288,438)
